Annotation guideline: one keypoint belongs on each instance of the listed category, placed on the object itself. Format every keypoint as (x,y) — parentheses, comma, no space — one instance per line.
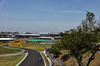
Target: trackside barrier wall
(44,60)
(49,57)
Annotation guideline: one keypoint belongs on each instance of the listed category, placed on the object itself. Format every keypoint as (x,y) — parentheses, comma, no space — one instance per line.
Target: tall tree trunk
(92,56)
(79,61)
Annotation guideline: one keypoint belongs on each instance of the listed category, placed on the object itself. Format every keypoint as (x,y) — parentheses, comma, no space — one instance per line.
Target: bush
(55,50)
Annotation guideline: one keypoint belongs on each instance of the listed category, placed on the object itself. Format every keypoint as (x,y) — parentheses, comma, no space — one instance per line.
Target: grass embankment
(7,50)
(11,60)
(65,57)
(71,61)
(37,47)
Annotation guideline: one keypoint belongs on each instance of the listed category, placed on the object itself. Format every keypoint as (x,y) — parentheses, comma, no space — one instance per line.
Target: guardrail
(49,57)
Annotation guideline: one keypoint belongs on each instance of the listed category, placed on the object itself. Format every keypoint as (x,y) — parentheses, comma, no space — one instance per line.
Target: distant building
(46,38)
(34,36)
(6,39)
(43,34)
(28,36)
(6,35)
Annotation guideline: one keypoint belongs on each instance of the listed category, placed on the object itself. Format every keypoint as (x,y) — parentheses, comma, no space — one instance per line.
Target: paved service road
(32,59)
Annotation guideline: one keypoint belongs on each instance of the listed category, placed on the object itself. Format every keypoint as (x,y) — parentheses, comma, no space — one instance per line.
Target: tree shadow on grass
(65,57)
(56,56)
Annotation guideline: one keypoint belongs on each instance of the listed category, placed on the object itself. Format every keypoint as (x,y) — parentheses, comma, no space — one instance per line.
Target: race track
(32,59)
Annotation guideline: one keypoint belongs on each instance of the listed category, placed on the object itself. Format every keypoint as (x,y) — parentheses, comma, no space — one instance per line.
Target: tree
(81,40)
(55,50)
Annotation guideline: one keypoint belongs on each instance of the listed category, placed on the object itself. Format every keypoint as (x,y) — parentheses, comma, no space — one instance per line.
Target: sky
(45,15)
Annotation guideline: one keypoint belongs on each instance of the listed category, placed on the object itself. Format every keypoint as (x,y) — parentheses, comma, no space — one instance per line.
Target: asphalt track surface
(32,58)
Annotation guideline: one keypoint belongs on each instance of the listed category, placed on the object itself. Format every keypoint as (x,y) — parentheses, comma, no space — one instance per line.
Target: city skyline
(45,15)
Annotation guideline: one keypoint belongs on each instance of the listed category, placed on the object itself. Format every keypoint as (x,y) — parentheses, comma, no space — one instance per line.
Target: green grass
(7,50)
(11,60)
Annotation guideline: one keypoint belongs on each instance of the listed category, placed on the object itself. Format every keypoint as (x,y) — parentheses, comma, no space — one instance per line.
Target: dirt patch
(58,62)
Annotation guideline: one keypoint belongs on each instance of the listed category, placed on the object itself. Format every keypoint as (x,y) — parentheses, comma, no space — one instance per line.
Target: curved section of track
(32,59)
